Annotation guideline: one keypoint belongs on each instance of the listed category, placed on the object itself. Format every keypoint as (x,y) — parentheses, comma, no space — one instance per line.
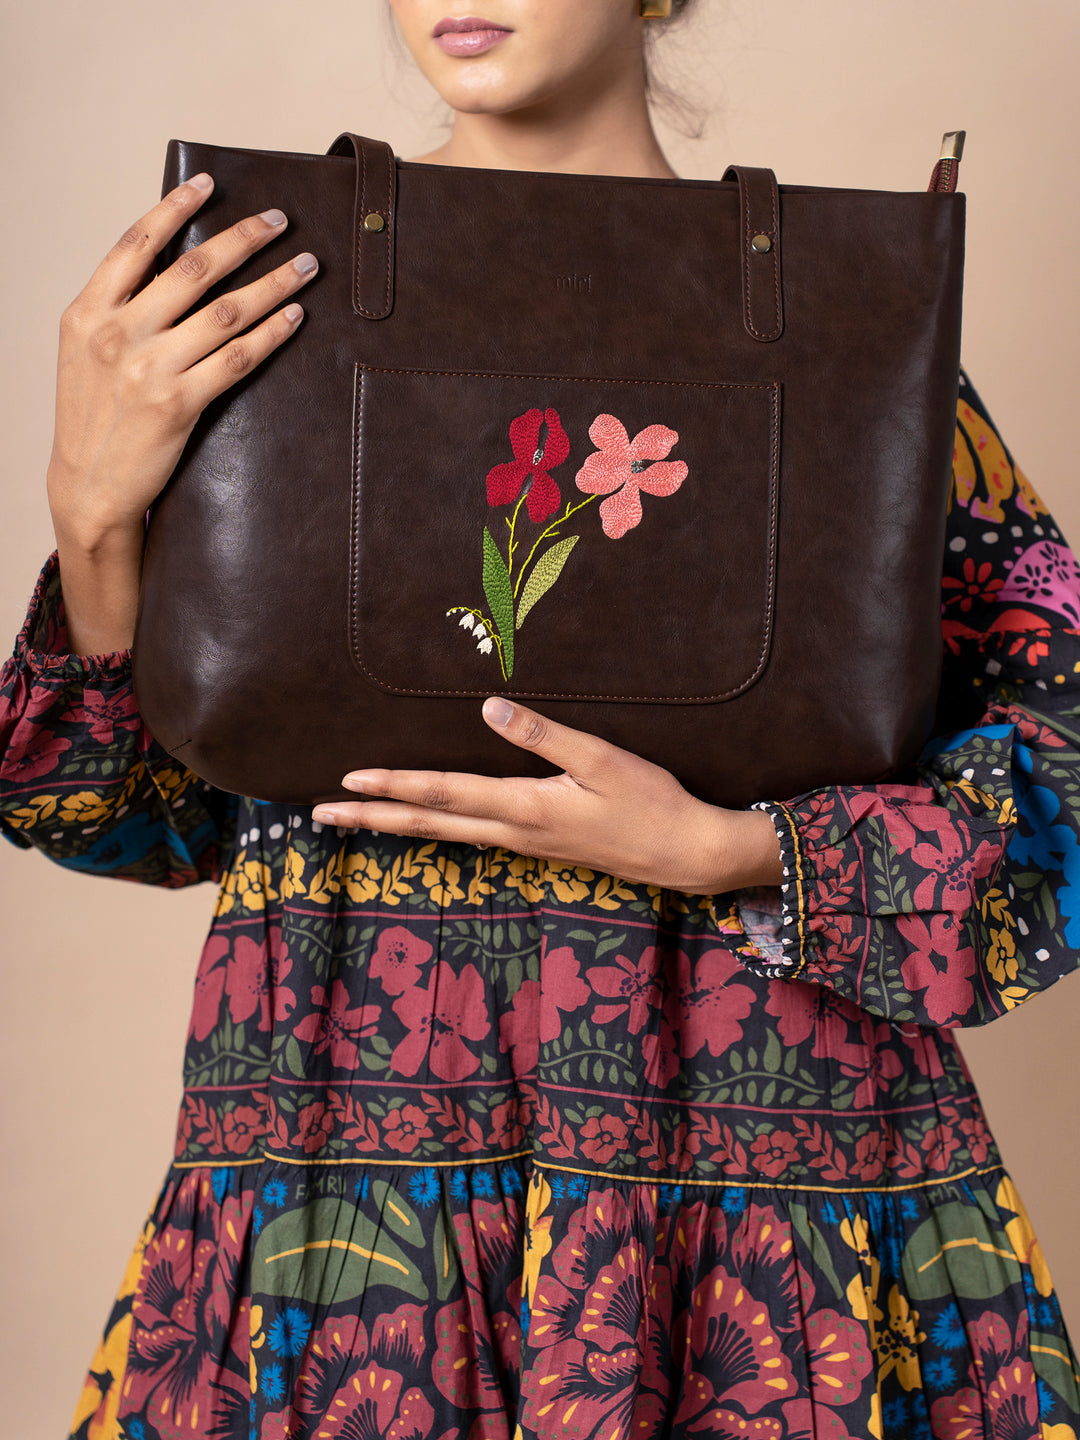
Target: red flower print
(338,1029)
(101,714)
(478,1356)
(533,457)
(875,1064)
(518,1032)
(353,1385)
(774,1152)
(633,984)
(627,467)
(32,752)
(247,982)
(661,1053)
(871,1153)
(440,1019)
(603,1136)
(241,1127)
(315,1123)
(977,584)
(405,1128)
(397,959)
(561,988)
(939,965)
(710,1007)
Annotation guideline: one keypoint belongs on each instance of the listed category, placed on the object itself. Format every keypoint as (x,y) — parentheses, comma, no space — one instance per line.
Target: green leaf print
(958,1252)
(817,1245)
(1052,1364)
(544,574)
(500,596)
(352,1253)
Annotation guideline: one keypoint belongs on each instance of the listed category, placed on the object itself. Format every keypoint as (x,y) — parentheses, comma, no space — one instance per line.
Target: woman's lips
(469,42)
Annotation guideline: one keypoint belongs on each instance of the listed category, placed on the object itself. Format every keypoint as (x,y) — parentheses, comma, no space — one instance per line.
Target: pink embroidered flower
(536,450)
(625,467)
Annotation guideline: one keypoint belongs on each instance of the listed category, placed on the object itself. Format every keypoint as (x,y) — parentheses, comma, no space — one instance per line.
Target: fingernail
(498,710)
(273,217)
(293,313)
(305,264)
(354,782)
(327,816)
(202,181)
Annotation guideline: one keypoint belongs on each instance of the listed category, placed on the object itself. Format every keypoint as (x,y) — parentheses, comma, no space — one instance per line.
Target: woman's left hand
(610,810)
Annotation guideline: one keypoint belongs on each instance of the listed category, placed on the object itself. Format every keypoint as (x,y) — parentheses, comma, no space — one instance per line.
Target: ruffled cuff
(768,928)
(43,645)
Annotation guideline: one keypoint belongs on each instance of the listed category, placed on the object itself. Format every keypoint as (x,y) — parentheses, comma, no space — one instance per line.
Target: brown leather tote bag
(667,460)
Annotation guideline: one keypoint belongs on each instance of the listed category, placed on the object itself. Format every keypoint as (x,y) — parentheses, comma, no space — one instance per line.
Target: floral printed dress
(473,1145)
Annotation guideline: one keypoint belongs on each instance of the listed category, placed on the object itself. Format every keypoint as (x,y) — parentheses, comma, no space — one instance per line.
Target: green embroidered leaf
(500,596)
(544,574)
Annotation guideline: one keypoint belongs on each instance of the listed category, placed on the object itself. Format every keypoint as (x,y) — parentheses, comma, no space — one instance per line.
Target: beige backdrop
(830,92)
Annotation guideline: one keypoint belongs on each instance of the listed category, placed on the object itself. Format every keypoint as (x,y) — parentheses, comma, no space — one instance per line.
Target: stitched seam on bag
(363,309)
(773,503)
(774,260)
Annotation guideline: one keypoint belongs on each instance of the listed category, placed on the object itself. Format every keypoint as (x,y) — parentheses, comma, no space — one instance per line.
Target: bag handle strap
(759,231)
(374,213)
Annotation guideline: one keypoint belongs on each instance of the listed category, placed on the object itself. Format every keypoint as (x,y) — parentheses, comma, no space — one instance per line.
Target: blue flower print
(361,1188)
(948,1329)
(272,1384)
(828,1214)
(257,1219)
(275,1193)
(483,1184)
(424,1187)
(733,1200)
(577,1187)
(221,1179)
(289,1331)
(135,1430)
(939,1374)
(510,1179)
(459,1186)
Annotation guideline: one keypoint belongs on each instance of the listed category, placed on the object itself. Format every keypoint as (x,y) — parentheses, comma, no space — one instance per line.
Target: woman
(642,1118)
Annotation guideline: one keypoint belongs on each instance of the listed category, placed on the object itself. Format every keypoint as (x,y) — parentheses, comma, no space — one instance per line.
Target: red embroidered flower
(535,452)
(626,467)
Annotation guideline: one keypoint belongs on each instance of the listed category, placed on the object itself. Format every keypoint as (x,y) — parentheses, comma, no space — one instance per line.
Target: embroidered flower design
(621,468)
(538,441)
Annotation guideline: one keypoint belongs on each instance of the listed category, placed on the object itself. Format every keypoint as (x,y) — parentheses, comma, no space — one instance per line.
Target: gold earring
(654,9)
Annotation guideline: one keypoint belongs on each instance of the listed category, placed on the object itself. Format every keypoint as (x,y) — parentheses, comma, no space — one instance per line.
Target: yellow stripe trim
(765,1185)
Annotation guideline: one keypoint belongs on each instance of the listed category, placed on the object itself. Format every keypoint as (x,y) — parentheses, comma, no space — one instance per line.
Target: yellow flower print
(861,1295)
(292,881)
(253,887)
(84,807)
(441,880)
(537,1232)
(1057,1432)
(172,780)
(1001,959)
(1002,811)
(896,1344)
(1022,1237)
(526,875)
(361,876)
(1013,995)
(571,883)
(874,1423)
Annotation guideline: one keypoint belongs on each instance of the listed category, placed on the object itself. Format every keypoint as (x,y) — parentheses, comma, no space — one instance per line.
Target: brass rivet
(374,221)
(761,243)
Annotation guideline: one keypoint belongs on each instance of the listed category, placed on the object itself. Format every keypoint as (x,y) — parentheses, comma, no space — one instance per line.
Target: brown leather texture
(675,485)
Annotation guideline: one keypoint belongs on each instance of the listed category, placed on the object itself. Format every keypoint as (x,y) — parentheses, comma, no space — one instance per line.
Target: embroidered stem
(513,523)
(551,530)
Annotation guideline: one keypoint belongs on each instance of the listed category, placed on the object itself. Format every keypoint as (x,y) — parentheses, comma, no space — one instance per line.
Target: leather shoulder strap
(759,237)
(373,222)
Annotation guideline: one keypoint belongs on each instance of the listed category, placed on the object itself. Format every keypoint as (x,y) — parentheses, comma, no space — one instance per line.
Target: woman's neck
(615,139)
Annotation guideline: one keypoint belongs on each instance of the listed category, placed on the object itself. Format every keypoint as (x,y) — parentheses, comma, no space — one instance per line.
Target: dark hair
(679,112)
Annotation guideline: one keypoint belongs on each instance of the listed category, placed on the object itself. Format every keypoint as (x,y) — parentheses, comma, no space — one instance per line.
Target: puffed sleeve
(82,779)
(952,895)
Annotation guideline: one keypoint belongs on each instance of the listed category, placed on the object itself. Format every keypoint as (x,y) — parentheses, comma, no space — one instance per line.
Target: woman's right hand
(131,383)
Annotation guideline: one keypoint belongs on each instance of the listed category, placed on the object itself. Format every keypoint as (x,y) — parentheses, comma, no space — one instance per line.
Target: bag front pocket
(562,537)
